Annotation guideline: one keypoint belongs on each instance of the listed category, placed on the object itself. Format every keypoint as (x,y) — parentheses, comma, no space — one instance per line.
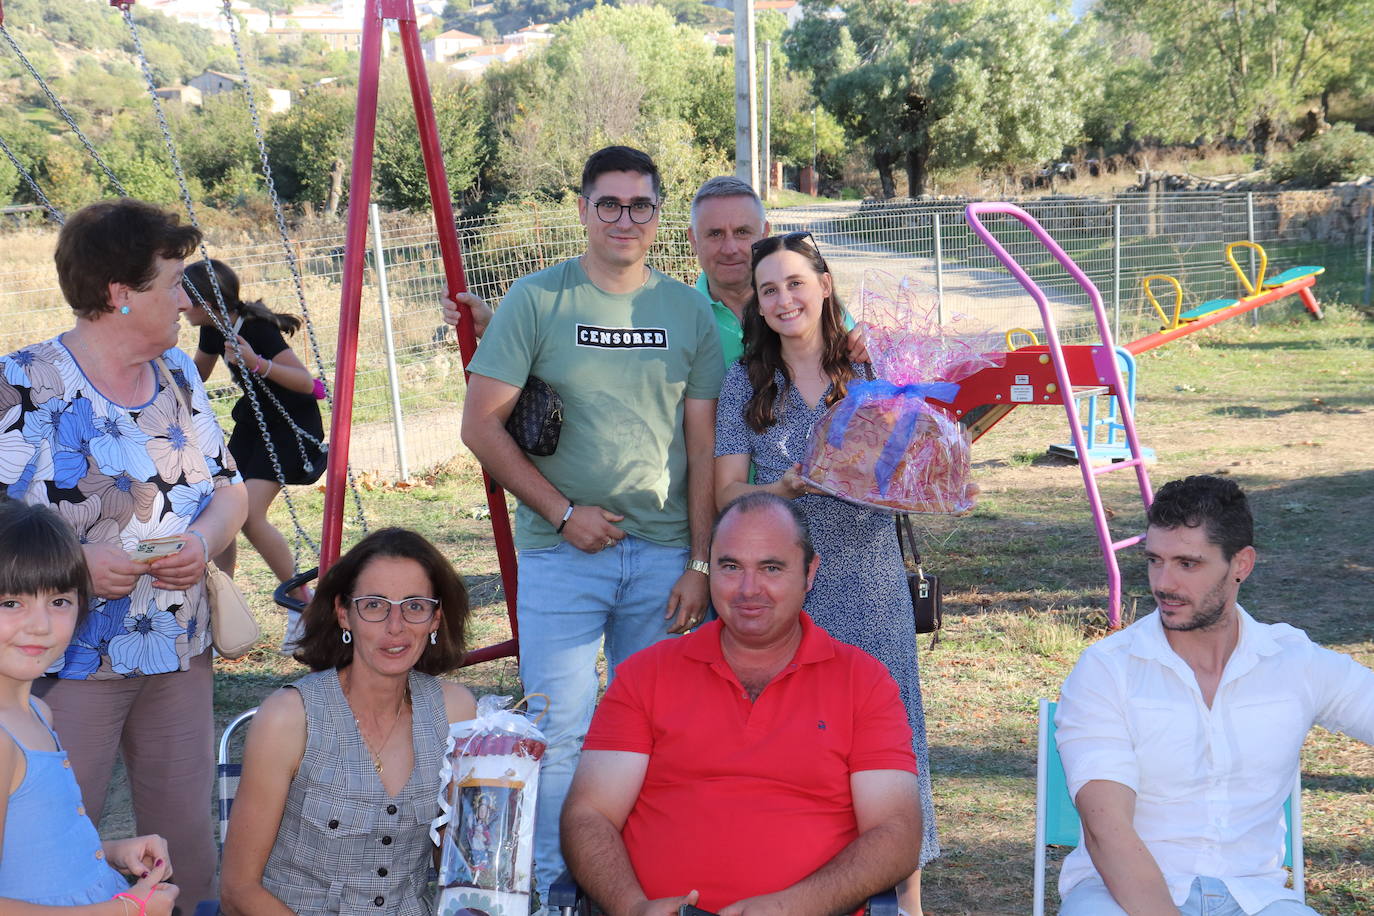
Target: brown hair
(763,347)
(198,275)
(116,241)
(323,647)
(39,552)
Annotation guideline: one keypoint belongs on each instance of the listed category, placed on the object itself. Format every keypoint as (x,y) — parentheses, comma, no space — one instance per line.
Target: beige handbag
(233,629)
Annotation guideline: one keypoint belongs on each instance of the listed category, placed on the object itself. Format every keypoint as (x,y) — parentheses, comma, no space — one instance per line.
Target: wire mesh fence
(1117,241)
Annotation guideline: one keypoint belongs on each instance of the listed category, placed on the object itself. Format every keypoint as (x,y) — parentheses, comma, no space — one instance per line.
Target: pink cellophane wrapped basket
(885,445)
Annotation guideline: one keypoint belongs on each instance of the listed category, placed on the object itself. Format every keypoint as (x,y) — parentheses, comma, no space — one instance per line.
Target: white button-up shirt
(1210,783)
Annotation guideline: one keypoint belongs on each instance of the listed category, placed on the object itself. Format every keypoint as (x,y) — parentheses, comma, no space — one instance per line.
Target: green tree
(612,75)
(308,146)
(949,83)
(458,113)
(1235,68)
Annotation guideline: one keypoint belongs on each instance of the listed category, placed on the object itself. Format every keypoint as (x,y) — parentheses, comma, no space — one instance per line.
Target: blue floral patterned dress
(117,474)
(860,595)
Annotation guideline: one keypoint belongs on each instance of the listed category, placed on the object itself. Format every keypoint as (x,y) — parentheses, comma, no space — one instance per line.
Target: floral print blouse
(117,474)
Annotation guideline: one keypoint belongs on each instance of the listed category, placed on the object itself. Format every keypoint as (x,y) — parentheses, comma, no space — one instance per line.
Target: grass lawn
(1284,408)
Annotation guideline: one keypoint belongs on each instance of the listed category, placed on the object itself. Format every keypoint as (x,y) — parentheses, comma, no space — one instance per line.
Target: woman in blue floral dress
(90,426)
(795,365)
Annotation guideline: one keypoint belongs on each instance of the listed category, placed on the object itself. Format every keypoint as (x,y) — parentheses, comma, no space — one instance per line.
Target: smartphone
(149,549)
(688,910)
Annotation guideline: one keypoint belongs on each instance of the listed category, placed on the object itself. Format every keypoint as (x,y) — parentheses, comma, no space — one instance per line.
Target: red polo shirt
(746,798)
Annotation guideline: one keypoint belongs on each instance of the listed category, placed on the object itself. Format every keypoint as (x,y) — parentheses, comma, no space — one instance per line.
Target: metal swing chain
(62,110)
(180,176)
(290,254)
(38,194)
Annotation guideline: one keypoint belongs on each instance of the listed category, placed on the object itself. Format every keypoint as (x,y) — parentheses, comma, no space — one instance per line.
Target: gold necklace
(376,754)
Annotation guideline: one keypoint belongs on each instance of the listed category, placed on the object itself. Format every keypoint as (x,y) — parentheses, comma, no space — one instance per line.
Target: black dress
(245,443)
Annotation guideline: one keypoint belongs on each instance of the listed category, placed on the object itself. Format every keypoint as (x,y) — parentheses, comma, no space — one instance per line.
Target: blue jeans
(568,600)
(1208,897)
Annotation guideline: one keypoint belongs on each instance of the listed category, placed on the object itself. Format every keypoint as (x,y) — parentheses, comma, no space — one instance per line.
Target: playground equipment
(1258,291)
(1098,379)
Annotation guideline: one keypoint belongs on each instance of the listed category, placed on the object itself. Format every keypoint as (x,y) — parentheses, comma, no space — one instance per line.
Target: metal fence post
(393,381)
(1250,235)
(1369,250)
(939,268)
(1116,269)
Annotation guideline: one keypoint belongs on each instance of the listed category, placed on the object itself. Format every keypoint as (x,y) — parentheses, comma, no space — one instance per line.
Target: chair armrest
(564,892)
(884,904)
(207,908)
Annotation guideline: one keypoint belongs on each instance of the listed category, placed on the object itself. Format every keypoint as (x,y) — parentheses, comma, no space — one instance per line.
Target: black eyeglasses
(773,243)
(375,608)
(608,209)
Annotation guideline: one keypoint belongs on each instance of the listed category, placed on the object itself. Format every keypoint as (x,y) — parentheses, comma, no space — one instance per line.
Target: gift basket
(884,444)
(489,781)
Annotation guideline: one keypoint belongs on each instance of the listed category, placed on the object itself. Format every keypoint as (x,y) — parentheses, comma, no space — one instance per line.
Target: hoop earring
(347,637)
(123,310)
(434,637)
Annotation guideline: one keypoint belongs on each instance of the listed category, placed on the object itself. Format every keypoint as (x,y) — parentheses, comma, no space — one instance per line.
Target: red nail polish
(158,862)
(144,875)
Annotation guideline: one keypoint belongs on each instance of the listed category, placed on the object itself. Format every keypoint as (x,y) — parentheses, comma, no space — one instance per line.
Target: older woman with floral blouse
(108,423)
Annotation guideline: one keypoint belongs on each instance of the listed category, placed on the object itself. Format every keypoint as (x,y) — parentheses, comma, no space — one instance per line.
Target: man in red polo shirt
(756,766)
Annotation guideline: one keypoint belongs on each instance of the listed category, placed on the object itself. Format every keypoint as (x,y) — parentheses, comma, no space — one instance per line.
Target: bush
(1340,154)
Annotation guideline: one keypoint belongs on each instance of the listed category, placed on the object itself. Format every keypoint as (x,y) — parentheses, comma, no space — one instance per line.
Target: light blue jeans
(568,601)
(1208,897)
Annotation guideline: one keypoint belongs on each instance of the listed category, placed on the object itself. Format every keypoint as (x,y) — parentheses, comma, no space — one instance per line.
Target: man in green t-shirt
(613,528)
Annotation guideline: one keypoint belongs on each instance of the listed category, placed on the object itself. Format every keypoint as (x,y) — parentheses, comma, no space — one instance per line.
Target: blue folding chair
(1056,819)
(227,774)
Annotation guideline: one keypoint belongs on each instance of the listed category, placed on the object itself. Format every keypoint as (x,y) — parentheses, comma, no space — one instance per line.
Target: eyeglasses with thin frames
(415,609)
(608,209)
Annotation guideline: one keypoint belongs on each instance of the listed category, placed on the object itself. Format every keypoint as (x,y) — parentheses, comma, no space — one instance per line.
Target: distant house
(483,57)
(212,82)
(186,95)
(450,44)
(535,33)
(790,9)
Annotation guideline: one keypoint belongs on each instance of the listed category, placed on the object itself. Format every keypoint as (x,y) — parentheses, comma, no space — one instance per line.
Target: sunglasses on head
(773,243)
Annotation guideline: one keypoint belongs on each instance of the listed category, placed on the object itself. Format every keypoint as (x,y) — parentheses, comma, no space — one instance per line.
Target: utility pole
(746,96)
(766,159)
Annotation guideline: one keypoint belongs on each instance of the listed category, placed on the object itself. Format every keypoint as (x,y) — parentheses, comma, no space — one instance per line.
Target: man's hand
(664,906)
(592,529)
(481,312)
(857,343)
(113,574)
(687,601)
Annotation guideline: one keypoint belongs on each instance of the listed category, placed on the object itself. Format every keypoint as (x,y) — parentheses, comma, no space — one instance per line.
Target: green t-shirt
(624,364)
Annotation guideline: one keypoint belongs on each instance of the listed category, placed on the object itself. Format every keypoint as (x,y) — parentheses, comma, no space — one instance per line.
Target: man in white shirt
(1181,734)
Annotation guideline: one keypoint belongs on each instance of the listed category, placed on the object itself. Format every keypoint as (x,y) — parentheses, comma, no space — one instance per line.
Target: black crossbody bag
(926,600)
(537,419)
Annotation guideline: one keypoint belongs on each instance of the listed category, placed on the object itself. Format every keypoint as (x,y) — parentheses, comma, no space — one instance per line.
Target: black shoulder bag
(926,599)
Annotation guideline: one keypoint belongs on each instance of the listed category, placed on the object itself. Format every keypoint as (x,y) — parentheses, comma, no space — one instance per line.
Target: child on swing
(291,415)
(51,858)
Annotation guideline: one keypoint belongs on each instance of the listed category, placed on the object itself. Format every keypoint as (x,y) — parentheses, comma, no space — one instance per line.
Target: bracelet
(204,543)
(141,901)
(123,902)
(566,515)
(262,373)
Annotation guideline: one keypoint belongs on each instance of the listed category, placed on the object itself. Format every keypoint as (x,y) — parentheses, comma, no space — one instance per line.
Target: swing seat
(1207,308)
(1291,274)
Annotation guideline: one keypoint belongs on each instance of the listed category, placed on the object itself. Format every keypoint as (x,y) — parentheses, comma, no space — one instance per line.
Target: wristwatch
(700,566)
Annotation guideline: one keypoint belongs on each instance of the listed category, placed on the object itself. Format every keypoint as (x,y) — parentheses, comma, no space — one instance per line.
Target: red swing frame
(402,12)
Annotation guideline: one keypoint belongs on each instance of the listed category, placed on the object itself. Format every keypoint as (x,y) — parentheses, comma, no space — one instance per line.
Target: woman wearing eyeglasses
(341,769)
(796,364)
